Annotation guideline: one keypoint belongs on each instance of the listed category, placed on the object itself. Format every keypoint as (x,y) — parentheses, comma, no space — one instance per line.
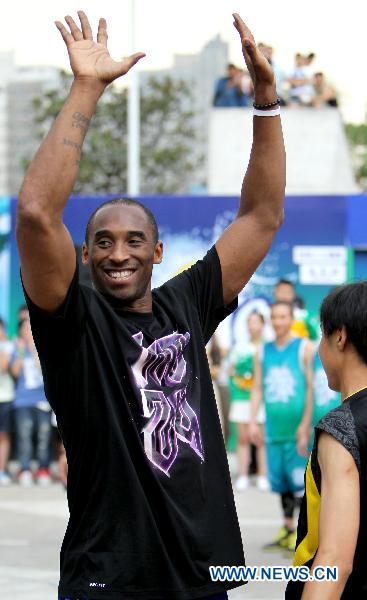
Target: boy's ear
(341,338)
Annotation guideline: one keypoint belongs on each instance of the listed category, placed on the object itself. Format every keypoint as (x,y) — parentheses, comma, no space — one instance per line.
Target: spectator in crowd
(284,291)
(324,94)
(305,323)
(216,355)
(62,465)
(59,450)
(240,383)
(300,80)
(6,400)
(283,381)
(279,73)
(22,313)
(228,91)
(308,63)
(31,409)
(246,87)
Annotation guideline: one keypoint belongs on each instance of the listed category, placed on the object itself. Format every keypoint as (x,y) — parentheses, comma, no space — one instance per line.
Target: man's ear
(158,253)
(85,254)
(341,338)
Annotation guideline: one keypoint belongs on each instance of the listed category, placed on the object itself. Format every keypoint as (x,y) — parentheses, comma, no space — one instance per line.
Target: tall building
(200,71)
(7,68)
(24,85)
(21,85)
(18,132)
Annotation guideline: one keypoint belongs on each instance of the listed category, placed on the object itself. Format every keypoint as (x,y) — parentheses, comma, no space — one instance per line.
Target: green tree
(357,137)
(166,137)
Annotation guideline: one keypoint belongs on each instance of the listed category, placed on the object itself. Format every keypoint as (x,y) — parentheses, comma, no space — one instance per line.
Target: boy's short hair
(284,282)
(346,306)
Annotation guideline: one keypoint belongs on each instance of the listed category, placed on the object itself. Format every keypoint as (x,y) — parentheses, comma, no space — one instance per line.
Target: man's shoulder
(340,423)
(209,263)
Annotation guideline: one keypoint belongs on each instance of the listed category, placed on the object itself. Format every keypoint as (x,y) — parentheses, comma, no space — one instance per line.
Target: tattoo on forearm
(75,145)
(80,121)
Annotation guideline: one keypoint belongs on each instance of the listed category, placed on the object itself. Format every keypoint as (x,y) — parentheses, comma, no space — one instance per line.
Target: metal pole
(133,110)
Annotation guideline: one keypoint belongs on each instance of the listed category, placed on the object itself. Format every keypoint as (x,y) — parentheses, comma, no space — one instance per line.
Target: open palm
(258,66)
(89,58)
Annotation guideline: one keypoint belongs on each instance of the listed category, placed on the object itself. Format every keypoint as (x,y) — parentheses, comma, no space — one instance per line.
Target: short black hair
(283,303)
(346,306)
(284,282)
(124,202)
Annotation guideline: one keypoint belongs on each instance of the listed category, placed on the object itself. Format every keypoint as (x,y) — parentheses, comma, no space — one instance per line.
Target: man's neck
(283,339)
(140,305)
(350,387)
(353,376)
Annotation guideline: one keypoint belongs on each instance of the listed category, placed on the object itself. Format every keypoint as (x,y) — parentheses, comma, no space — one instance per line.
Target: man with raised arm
(125,368)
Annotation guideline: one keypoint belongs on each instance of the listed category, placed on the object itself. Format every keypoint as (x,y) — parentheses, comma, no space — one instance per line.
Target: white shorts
(240,412)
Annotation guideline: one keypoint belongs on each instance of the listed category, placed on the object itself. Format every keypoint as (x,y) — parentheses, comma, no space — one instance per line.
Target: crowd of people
(277,392)
(25,414)
(300,86)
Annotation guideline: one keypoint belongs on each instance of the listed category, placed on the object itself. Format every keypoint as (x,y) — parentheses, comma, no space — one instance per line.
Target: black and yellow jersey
(348,424)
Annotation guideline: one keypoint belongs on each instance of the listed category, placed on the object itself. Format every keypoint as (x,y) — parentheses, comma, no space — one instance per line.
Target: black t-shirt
(348,424)
(149,493)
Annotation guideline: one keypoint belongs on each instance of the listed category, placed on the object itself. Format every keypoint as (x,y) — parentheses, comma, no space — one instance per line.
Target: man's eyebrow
(108,232)
(139,234)
(101,232)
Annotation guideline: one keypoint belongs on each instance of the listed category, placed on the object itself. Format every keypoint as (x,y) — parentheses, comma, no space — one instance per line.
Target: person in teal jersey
(305,324)
(324,399)
(240,382)
(283,381)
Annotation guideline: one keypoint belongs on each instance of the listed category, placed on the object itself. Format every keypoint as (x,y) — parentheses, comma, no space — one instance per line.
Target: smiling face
(120,254)
(281,320)
(284,292)
(255,325)
(25,332)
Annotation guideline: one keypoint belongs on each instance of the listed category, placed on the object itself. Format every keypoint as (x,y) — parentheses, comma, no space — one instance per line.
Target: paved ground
(32,525)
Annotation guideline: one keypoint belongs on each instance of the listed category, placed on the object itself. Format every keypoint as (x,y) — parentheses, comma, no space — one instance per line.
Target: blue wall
(190,225)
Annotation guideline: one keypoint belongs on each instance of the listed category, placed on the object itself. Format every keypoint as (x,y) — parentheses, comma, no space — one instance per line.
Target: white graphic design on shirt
(170,417)
(280,385)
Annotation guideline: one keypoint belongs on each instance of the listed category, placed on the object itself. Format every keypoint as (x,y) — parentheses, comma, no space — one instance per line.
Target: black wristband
(265,106)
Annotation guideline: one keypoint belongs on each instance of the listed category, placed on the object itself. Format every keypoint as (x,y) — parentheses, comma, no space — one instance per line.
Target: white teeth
(120,274)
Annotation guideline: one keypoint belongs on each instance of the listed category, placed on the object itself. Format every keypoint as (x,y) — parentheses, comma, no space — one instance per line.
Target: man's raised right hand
(91,60)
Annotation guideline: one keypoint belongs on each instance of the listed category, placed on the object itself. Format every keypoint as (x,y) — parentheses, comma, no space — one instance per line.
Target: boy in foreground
(333,519)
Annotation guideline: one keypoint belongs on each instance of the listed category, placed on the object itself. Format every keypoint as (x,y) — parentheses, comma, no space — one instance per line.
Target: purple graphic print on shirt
(170,417)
